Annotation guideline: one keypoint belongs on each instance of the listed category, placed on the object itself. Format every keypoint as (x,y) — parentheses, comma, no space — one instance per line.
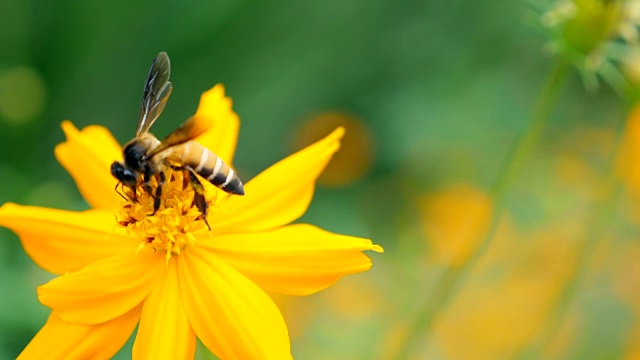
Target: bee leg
(185,180)
(149,189)
(125,196)
(147,183)
(158,194)
(198,198)
(119,193)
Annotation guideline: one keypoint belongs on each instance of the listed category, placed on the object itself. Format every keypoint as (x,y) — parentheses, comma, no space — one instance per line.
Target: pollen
(170,229)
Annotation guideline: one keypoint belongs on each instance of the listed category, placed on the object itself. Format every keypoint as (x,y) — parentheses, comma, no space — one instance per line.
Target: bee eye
(129,176)
(124,175)
(116,169)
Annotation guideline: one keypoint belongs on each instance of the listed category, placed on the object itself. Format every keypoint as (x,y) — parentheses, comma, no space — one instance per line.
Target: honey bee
(146,157)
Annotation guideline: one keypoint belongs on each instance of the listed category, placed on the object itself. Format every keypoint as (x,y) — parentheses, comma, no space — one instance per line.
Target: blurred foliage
(436,93)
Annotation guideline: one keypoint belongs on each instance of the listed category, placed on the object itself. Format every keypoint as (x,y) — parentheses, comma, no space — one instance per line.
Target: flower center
(170,229)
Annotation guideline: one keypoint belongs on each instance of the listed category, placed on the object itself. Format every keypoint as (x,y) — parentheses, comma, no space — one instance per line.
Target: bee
(146,157)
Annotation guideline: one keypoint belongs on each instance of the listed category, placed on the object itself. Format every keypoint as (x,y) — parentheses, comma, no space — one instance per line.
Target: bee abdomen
(212,168)
(221,175)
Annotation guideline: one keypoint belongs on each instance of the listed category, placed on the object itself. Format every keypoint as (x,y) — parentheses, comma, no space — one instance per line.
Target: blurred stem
(521,149)
(601,215)
(448,284)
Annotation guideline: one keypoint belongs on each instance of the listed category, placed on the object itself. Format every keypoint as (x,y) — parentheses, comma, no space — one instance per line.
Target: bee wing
(189,130)
(156,92)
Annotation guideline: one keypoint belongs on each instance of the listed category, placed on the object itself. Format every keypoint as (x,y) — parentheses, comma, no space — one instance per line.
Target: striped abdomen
(208,165)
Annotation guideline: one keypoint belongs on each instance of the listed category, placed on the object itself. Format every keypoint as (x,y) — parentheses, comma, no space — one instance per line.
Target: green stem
(448,284)
(600,218)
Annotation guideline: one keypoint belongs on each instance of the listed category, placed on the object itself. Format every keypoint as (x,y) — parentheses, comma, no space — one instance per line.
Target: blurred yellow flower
(506,300)
(356,151)
(166,271)
(628,164)
(454,220)
(626,281)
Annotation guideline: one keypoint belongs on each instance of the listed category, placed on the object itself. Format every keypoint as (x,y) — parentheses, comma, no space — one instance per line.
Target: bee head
(125,175)
(134,155)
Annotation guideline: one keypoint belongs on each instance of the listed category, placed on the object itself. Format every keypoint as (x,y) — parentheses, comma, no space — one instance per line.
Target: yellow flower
(454,220)
(121,266)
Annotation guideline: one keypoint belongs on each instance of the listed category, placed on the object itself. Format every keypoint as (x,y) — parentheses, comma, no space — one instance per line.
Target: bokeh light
(356,152)
(23,94)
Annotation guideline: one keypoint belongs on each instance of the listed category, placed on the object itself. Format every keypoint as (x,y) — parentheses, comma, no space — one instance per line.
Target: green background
(442,87)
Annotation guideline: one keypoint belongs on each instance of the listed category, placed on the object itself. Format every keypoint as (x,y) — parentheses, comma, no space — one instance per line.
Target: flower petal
(279,194)
(63,241)
(87,156)
(223,135)
(232,316)
(103,290)
(164,331)
(294,260)
(62,340)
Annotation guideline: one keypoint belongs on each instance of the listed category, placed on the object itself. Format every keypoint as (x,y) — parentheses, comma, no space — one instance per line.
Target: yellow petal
(223,135)
(279,194)
(164,331)
(232,316)
(103,290)
(87,156)
(61,340)
(294,260)
(61,241)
